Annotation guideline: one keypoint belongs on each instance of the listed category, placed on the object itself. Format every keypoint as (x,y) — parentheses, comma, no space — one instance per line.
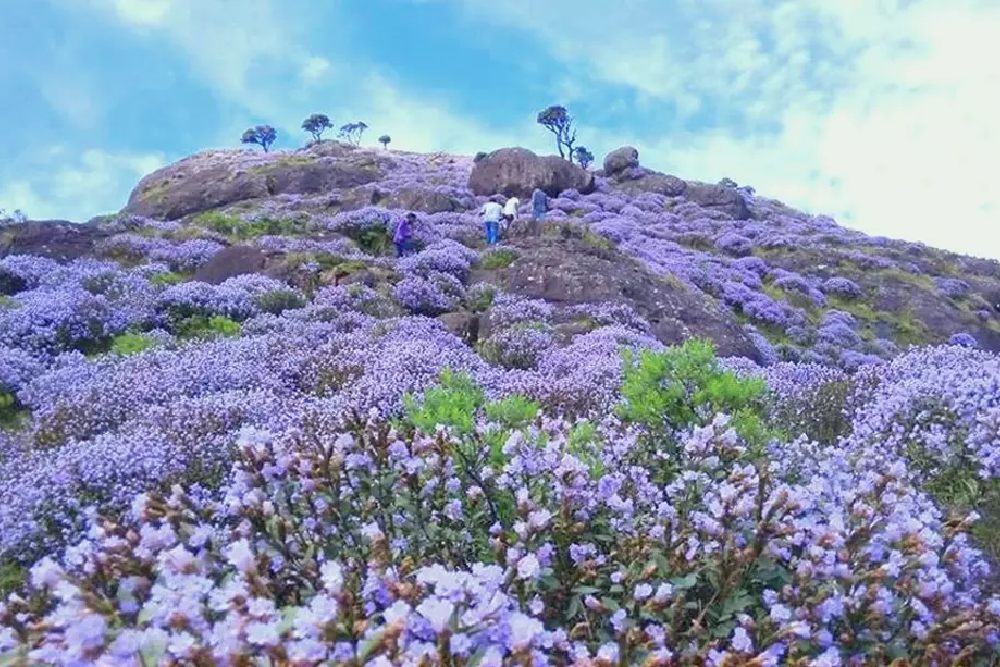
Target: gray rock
(663,184)
(621,159)
(232,261)
(565,269)
(56,239)
(463,324)
(718,197)
(218,178)
(418,199)
(516,172)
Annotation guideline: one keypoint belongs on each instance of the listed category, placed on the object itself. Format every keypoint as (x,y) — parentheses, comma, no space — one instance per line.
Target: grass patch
(898,275)
(597,241)
(12,415)
(131,343)
(283,163)
(796,299)
(695,241)
(906,328)
(156,192)
(167,278)
(963,491)
(238,229)
(673,282)
(374,240)
(7,302)
(500,258)
(12,577)
(202,327)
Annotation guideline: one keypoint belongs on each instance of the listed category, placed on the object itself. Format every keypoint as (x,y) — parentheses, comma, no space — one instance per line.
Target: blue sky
(883,113)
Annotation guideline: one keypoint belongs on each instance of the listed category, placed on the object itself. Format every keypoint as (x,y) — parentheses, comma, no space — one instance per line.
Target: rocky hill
(757,277)
(236,429)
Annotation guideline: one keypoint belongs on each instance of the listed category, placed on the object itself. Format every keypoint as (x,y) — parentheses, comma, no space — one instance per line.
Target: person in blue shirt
(539,203)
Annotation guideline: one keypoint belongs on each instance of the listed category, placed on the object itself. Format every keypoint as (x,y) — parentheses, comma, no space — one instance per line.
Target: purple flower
(437,612)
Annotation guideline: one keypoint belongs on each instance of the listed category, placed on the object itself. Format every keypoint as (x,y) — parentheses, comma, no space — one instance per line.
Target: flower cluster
(555,545)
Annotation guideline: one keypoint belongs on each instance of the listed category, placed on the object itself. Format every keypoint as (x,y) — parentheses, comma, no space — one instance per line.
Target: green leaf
(685,582)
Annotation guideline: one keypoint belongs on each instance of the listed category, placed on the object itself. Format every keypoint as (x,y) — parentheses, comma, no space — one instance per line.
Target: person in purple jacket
(403,237)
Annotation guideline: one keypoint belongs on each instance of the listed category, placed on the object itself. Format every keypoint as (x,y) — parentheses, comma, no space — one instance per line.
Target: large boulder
(621,159)
(56,239)
(516,172)
(232,261)
(420,199)
(212,179)
(664,184)
(718,197)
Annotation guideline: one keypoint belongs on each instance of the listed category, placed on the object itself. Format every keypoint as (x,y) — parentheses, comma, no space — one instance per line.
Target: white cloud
(82,186)
(885,112)
(314,69)
(421,122)
(143,12)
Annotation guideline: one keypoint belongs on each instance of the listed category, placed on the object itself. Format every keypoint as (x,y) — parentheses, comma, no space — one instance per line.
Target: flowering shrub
(514,536)
(517,347)
(952,287)
(734,244)
(842,287)
(421,296)
(964,339)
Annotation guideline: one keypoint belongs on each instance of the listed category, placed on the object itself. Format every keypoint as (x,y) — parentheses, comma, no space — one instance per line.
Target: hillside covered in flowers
(683,424)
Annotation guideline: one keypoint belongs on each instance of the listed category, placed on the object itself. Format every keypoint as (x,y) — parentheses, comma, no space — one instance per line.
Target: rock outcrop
(571,268)
(56,239)
(516,172)
(621,159)
(232,261)
(217,178)
(418,199)
(621,166)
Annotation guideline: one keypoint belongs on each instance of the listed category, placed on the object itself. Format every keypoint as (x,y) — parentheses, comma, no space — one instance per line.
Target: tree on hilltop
(558,121)
(352,132)
(384,140)
(17,216)
(316,124)
(583,156)
(262,135)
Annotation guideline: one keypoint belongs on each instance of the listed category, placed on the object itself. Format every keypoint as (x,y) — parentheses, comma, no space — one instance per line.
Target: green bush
(12,414)
(234,226)
(12,577)
(500,258)
(585,443)
(514,411)
(200,326)
(167,278)
(131,343)
(374,240)
(479,297)
(453,403)
(279,301)
(684,386)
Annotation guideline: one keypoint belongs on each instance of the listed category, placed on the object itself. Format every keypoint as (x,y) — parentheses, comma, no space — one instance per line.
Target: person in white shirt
(492,212)
(510,209)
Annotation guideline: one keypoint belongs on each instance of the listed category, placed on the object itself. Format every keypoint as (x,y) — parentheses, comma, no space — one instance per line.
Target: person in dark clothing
(539,203)
(403,238)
